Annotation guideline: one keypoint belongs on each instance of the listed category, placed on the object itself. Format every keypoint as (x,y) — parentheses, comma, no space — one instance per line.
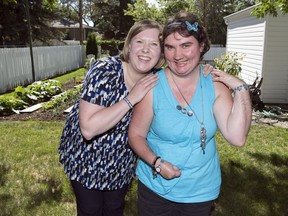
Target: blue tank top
(176,138)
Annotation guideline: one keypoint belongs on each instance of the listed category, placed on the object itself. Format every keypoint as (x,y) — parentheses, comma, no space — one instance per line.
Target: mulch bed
(40,114)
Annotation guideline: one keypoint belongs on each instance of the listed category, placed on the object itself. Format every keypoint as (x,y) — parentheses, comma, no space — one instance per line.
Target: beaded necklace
(191,111)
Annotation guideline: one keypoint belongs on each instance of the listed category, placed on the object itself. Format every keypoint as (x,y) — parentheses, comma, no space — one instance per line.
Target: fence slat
(16,69)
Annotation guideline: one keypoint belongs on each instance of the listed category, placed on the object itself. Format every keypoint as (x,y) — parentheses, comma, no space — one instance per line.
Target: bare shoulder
(145,105)
(221,89)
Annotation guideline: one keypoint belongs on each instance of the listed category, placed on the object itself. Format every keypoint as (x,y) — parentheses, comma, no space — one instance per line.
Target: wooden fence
(16,69)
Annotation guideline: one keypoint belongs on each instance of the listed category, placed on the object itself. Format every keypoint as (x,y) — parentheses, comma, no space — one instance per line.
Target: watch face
(158,169)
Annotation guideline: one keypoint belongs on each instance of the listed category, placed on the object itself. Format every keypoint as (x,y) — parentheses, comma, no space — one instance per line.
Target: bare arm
(233,114)
(138,129)
(95,119)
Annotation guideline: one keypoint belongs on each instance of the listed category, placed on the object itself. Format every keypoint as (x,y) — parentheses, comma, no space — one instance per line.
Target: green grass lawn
(32,182)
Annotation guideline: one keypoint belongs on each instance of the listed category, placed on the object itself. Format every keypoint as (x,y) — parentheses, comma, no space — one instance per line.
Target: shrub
(112,46)
(10,104)
(58,100)
(39,91)
(230,63)
(91,47)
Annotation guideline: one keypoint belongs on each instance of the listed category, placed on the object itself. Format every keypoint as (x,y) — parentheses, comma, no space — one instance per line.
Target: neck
(184,87)
(131,77)
(189,78)
(184,83)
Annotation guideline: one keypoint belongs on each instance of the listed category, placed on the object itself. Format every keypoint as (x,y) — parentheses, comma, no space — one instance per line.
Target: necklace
(191,111)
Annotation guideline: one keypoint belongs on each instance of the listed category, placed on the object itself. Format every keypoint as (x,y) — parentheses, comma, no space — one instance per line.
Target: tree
(171,7)
(212,13)
(270,7)
(15,31)
(91,47)
(142,10)
(72,10)
(107,16)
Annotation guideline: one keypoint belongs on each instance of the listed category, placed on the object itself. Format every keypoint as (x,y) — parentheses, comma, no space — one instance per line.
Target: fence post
(30,40)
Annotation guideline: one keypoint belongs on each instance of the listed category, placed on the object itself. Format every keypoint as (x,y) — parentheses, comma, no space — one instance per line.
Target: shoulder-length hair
(187,24)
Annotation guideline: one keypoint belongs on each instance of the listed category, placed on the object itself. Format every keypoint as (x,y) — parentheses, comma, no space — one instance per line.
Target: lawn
(32,181)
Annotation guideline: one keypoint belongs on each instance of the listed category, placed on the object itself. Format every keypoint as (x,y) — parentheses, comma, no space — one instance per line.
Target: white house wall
(275,61)
(264,42)
(246,37)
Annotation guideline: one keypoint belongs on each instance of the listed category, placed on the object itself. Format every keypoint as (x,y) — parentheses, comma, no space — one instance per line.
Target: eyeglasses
(184,110)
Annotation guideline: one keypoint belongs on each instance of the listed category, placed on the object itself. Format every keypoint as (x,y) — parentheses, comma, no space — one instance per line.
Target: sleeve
(97,86)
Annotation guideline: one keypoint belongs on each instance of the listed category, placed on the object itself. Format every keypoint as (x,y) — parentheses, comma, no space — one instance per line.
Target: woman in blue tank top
(173,127)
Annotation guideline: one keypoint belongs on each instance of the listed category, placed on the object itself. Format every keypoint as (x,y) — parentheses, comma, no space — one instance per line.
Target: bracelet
(156,170)
(240,87)
(128,102)
(155,160)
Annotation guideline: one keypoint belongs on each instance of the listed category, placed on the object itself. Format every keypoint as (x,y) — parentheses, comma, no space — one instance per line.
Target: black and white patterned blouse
(106,162)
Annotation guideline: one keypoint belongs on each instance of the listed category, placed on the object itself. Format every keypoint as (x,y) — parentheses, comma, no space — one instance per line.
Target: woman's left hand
(207,68)
(229,80)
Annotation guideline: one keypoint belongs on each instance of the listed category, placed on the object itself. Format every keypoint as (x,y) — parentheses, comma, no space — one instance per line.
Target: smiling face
(182,54)
(144,50)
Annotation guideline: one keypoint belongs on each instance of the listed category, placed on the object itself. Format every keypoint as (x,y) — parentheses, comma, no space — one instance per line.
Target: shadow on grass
(131,208)
(5,198)
(247,191)
(4,169)
(50,191)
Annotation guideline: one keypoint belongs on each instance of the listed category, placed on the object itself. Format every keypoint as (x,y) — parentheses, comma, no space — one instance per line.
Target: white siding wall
(275,63)
(246,37)
(264,42)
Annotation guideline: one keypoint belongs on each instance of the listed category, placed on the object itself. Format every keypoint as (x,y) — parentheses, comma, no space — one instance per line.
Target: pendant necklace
(191,111)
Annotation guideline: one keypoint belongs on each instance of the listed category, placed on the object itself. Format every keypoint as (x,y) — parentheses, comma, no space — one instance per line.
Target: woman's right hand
(169,171)
(142,87)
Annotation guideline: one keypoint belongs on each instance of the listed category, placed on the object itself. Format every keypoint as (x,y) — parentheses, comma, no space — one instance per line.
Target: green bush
(45,89)
(91,47)
(112,46)
(8,104)
(230,63)
(66,96)
(37,92)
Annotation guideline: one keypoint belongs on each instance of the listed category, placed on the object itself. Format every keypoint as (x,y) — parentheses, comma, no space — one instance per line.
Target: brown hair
(136,29)
(178,23)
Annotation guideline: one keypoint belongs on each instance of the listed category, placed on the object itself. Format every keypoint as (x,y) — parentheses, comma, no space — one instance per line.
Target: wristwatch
(156,169)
